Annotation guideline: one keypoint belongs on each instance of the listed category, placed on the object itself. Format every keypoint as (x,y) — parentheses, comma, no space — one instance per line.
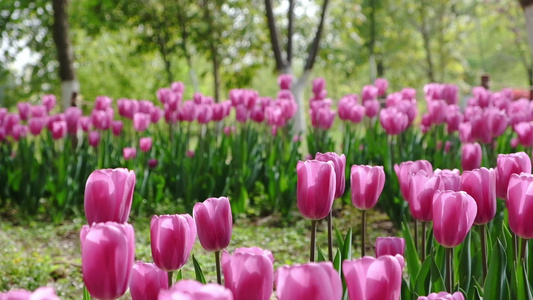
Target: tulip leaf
(179,275)
(340,240)
(86,295)
(413,261)
(337,263)
(496,277)
(465,263)
(405,292)
(347,249)
(436,277)
(422,285)
(321,256)
(198,270)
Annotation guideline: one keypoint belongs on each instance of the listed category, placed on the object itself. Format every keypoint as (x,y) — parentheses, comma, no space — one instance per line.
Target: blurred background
(123,48)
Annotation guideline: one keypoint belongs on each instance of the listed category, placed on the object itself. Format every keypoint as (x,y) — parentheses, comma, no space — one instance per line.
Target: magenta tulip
(85,123)
(393,121)
(59,130)
(285,81)
(152,163)
(369,93)
(145,144)
(406,169)
(42,293)
(100,119)
(451,179)
(339,164)
(194,290)
(24,109)
(94,138)
(146,281)
(471,156)
(389,246)
(481,185)
(437,111)
(172,238)
(524,131)
(370,278)
(249,273)
(72,117)
(116,127)
(520,205)
(367,183)
(371,108)
(108,195)
(443,296)
(36,125)
(102,103)
(315,188)
(129,153)
(310,281)
(214,223)
(381,84)
(453,216)
(141,121)
(107,256)
(508,164)
(49,101)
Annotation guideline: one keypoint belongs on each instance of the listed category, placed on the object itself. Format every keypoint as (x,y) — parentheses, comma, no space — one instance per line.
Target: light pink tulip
(214,223)
(310,281)
(508,164)
(390,246)
(146,281)
(194,290)
(315,188)
(367,183)
(481,185)
(453,216)
(520,205)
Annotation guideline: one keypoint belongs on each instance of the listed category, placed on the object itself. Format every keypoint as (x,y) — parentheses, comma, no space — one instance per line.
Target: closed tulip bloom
(315,188)
(94,138)
(72,116)
(141,121)
(371,108)
(49,101)
(481,185)
(390,246)
(508,164)
(152,163)
(108,195)
(85,123)
(310,281)
(59,130)
(36,125)
(116,127)
(437,111)
(100,119)
(370,278)
(393,121)
(520,205)
(471,156)
(367,184)
(42,293)
(204,113)
(339,164)
(194,290)
(129,153)
(451,179)
(381,84)
(172,238)
(421,191)
(38,111)
(285,81)
(524,131)
(24,110)
(248,273)
(146,281)
(406,169)
(443,296)
(107,256)
(145,144)
(453,216)
(369,93)
(214,223)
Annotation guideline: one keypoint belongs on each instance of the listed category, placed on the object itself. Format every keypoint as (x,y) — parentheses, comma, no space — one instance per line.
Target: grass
(37,253)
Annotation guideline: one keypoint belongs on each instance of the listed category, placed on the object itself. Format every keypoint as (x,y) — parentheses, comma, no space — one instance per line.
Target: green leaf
(179,275)
(413,261)
(198,270)
(436,277)
(496,278)
(347,249)
(421,283)
(465,263)
(321,256)
(86,295)
(337,263)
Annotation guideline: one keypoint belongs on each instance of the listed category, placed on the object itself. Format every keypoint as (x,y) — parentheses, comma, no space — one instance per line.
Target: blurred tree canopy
(131,48)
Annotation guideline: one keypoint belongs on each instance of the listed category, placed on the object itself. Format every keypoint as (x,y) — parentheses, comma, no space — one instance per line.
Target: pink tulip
(116,127)
(371,108)
(453,216)
(189,153)
(129,153)
(447,146)
(257,114)
(141,121)
(496,120)
(520,205)
(369,93)
(421,191)
(10,120)
(102,103)
(24,109)
(3,113)
(145,144)
(204,113)
(127,108)
(59,130)
(85,123)
(315,188)
(481,185)
(310,281)
(390,246)
(454,118)
(524,130)
(100,119)
(152,163)
(178,87)
(155,115)
(42,293)
(194,290)
(285,81)
(339,163)
(72,116)
(319,84)
(408,93)
(437,111)
(19,131)
(471,156)
(172,238)
(214,223)
(451,179)
(381,84)
(249,273)
(393,121)
(49,101)
(508,164)
(94,138)
(367,184)
(443,296)
(372,278)
(36,125)
(146,281)
(107,256)
(241,113)
(405,170)
(108,195)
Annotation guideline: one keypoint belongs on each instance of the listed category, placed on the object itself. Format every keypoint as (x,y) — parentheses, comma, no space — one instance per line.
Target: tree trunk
(182,18)
(427,45)
(214,51)
(298,91)
(372,43)
(527,5)
(60,29)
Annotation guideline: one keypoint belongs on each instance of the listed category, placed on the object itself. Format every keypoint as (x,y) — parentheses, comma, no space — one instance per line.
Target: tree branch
(313,51)
(290,31)
(274,38)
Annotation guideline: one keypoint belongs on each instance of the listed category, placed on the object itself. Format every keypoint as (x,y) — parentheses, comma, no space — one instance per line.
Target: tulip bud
(453,216)
(315,188)
(310,281)
(520,205)
(145,144)
(390,246)
(481,185)
(339,164)
(514,163)
(214,223)
(94,138)
(129,153)
(367,184)
(471,156)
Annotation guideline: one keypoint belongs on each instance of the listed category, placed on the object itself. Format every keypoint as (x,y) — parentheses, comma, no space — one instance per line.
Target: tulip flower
(24,110)
(369,93)
(371,108)
(42,293)
(443,296)
(102,103)
(194,290)
(453,216)
(72,116)
(390,246)
(146,281)
(94,138)
(524,131)
(471,156)
(36,125)
(141,121)
(108,195)
(508,164)
(406,169)
(310,281)
(249,273)
(107,256)
(172,238)
(367,184)
(59,130)
(370,278)
(145,144)
(85,123)
(520,205)
(152,163)
(116,127)
(214,224)
(129,153)
(49,101)
(393,121)
(381,84)
(38,111)
(451,179)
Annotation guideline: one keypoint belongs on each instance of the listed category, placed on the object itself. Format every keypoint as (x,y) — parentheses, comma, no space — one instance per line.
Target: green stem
(416,235)
(482,233)
(330,239)
(515,246)
(449,270)
(169,278)
(313,238)
(523,248)
(217,261)
(363,232)
(423,241)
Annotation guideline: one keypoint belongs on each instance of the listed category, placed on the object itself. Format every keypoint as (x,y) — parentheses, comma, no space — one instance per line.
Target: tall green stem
(523,248)
(416,235)
(515,246)
(449,270)
(313,238)
(217,261)
(330,239)
(482,233)
(423,241)
(363,232)
(169,278)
